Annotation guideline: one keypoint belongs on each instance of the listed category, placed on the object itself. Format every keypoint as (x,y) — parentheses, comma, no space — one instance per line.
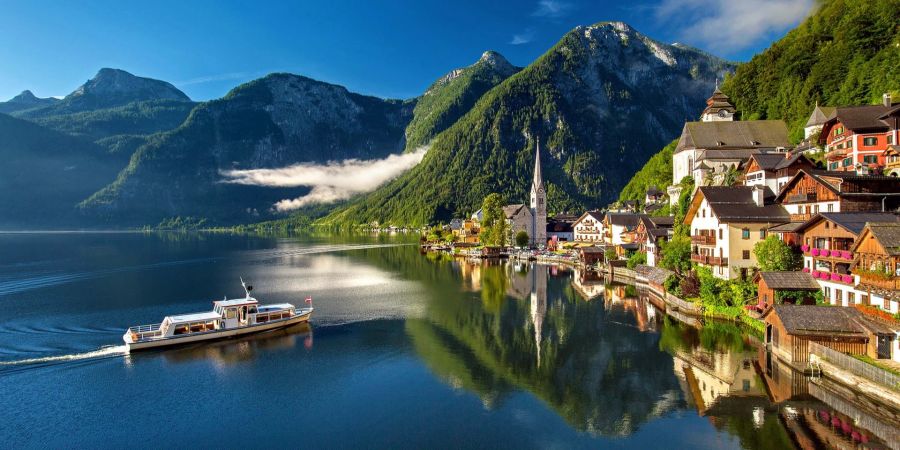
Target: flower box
(815,274)
(846,255)
(815,252)
(805,248)
(847,279)
(835,277)
(806,269)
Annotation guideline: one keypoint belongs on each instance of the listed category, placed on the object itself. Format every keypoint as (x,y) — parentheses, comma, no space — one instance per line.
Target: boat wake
(102,352)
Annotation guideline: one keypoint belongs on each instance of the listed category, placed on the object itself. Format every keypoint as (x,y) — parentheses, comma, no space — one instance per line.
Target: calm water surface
(404,351)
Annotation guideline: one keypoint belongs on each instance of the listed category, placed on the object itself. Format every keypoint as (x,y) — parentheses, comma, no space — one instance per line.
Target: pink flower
(846,255)
(815,274)
(847,279)
(805,248)
(806,269)
(815,252)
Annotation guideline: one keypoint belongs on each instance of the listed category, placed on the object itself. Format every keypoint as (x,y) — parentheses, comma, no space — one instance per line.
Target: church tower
(538,202)
(718,108)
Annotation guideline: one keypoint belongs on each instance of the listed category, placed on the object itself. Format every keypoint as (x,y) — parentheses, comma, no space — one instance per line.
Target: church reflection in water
(607,360)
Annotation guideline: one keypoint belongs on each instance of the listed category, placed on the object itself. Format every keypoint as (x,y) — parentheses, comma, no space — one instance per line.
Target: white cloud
(218,77)
(329,182)
(522,38)
(730,25)
(551,8)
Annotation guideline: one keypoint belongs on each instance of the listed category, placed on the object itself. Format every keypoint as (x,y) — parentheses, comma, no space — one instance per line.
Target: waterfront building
(589,227)
(650,233)
(877,264)
(790,329)
(467,232)
(857,136)
(620,231)
(827,239)
(770,284)
(560,228)
(810,192)
(519,217)
(726,222)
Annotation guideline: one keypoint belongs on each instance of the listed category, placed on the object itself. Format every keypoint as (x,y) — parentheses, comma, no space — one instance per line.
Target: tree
(637,259)
(522,238)
(772,254)
(494,221)
(610,254)
(676,254)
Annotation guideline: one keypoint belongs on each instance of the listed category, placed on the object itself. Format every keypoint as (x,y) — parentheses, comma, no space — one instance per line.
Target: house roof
(662,221)
(718,101)
(596,215)
(789,227)
(818,320)
(660,232)
(628,220)
(820,115)
(768,161)
(735,204)
(832,180)
(511,211)
(861,118)
(888,235)
(853,222)
(657,275)
(653,191)
(798,281)
(591,249)
(793,159)
(734,135)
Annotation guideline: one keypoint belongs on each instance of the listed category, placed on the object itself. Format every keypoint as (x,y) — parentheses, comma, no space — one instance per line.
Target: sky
(390,49)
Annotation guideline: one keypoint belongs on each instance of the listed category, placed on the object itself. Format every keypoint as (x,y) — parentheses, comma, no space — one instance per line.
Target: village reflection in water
(608,360)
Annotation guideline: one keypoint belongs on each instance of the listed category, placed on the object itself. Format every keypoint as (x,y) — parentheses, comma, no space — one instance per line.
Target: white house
(589,227)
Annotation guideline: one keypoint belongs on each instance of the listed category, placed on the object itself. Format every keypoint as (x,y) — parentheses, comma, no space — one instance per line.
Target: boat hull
(218,334)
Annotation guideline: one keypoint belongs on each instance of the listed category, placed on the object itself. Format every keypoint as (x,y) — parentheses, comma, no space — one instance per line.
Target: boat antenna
(247,288)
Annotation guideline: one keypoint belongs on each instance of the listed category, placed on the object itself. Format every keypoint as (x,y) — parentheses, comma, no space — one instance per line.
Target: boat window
(229,313)
(253,310)
(181,329)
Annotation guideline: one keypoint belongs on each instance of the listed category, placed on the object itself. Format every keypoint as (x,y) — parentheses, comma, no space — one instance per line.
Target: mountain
(453,95)
(846,53)
(272,122)
(601,101)
(45,174)
(24,101)
(112,103)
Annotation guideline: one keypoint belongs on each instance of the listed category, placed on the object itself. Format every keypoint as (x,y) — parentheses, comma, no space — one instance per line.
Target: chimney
(758,194)
(886,99)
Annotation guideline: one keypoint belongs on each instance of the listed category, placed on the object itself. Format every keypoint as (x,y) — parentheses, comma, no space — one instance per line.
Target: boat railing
(142,332)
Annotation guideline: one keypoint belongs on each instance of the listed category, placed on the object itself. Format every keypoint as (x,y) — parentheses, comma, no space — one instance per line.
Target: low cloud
(522,38)
(330,182)
(218,77)
(551,8)
(728,25)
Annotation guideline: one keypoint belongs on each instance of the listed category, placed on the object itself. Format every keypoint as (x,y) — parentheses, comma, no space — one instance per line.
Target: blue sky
(389,49)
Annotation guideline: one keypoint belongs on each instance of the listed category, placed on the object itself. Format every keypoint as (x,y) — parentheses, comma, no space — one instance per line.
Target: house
(650,233)
(787,233)
(810,192)
(653,196)
(859,135)
(456,225)
(591,255)
(877,264)
(772,285)
(620,231)
(709,149)
(892,161)
(726,223)
(561,228)
(589,227)
(790,329)
(468,231)
(774,170)
(826,242)
(787,168)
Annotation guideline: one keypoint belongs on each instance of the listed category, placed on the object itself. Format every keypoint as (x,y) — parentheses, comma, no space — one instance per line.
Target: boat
(228,318)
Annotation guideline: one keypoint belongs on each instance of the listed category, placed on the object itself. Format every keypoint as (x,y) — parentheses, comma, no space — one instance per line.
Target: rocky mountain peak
(25,96)
(119,83)
(496,60)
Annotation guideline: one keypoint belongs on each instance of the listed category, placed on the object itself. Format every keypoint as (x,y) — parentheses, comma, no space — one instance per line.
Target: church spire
(538,182)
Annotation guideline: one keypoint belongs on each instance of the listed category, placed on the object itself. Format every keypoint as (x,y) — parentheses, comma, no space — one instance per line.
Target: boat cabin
(236,313)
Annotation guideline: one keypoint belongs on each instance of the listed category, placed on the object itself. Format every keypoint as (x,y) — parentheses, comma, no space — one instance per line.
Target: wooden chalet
(877,261)
(811,192)
(770,284)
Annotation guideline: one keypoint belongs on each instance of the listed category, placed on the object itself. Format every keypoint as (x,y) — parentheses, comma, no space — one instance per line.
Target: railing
(826,253)
(718,261)
(142,332)
(838,153)
(703,240)
(800,217)
(700,259)
(855,366)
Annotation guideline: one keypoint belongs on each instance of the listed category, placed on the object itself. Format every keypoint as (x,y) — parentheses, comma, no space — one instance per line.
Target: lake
(404,351)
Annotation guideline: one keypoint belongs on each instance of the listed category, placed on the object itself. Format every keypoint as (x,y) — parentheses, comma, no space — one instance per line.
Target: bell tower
(538,202)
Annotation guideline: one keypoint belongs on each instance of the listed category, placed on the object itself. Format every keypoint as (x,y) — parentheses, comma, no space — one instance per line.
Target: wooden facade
(870,257)
(795,348)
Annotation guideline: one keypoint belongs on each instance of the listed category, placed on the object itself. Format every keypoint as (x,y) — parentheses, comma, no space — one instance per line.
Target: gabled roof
(820,115)
(795,158)
(733,135)
(887,234)
(767,161)
(798,281)
(735,204)
(662,221)
(854,222)
(596,215)
(832,180)
(789,227)
(863,118)
(628,220)
(818,320)
(511,211)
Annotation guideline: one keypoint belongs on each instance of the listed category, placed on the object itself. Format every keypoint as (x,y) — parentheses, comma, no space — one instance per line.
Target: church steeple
(538,181)
(538,232)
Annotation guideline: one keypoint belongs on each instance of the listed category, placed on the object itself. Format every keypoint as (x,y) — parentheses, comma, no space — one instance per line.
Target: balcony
(836,154)
(718,261)
(841,255)
(832,277)
(800,217)
(699,259)
(703,240)
(890,283)
(802,198)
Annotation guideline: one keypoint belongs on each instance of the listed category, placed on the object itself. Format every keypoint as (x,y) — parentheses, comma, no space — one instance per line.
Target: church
(532,218)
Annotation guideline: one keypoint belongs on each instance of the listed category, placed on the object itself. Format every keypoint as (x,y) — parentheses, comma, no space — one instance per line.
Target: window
(890,139)
(833,166)
(229,313)
(827,224)
(851,297)
(870,141)
(762,234)
(847,162)
(745,233)
(870,159)
(720,233)
(830,207)
(816,208)
(745,254)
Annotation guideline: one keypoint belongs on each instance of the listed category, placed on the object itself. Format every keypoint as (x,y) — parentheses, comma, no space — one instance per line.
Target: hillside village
(754,229)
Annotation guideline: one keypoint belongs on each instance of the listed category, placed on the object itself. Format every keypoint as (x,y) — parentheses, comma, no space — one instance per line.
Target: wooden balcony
(703,240)
(892,283)
(718,261)
(800,217)
(699,259)
(836,154)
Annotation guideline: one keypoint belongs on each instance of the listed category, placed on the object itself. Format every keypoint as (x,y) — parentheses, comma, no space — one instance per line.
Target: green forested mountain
(275,121)
(846,53)
(656,173)
(46,173)
(599,101)
(25,101)
(450,97)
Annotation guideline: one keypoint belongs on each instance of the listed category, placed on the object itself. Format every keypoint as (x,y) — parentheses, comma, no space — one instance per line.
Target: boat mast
(247,288)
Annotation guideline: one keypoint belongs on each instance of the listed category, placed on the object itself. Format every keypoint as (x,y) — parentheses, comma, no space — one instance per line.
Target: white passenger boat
(228,318)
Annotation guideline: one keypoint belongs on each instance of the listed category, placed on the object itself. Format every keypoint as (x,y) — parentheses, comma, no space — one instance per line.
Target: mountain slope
(272,122)
(844,54)
(450,97)
(25,100)
(656,173)
(602,100)
(45,174)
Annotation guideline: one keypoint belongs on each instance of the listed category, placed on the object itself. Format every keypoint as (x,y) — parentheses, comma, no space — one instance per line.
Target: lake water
(404,351)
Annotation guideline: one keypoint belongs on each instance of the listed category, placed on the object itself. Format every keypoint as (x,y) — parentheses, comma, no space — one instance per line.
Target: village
(800,243)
